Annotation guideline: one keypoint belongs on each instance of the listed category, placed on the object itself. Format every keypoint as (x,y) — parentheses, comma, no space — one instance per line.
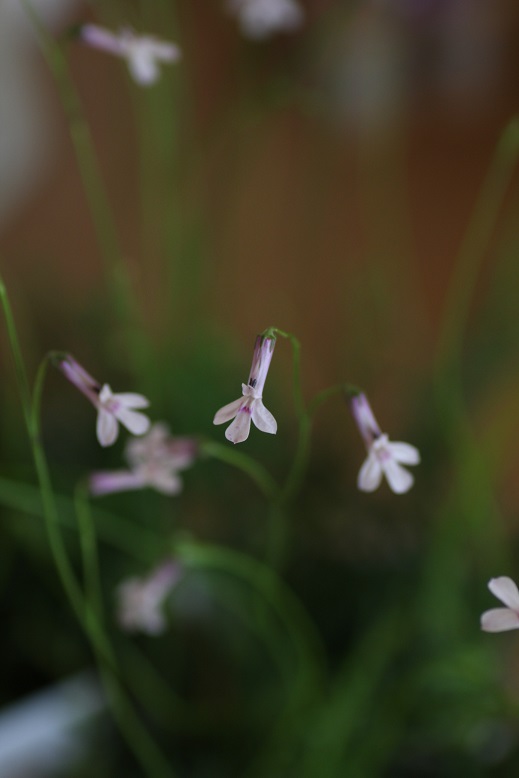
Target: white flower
(261,18)
(502,619)
(155,460)
(384,457)
(140,600)
(250,407)
(111,408)
(143,53)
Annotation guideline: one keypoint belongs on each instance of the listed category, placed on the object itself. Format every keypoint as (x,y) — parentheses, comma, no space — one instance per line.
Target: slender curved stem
(245,463)
(125,303)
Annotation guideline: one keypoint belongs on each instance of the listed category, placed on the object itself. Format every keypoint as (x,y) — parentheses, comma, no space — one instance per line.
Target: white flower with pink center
(143,53)
(502,619)
(112,409)
(250,407)
(385,458)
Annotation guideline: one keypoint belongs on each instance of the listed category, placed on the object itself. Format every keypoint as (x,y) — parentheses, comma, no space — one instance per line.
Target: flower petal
(370,474)
(499,620)
(399,479)
(166,482)
(404,453)
(143,66)
(505,590)
(262,418)
(135,422)
(114,481)
(107,427)
(132,400)
(228,412)
(100,38)
(239,430)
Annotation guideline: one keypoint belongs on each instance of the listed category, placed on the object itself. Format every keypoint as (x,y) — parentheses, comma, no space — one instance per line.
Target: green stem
(116,273)
(245,463)
(138,739)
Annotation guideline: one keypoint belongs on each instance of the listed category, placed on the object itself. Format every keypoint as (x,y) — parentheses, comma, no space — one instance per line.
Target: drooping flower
(143,53)
(111,408)
(384,457)
(250,406)
(155,460)
(140,601)
(502,619)
(260,19)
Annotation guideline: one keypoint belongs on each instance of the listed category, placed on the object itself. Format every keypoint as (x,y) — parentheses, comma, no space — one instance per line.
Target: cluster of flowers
(145,53)
(155,458)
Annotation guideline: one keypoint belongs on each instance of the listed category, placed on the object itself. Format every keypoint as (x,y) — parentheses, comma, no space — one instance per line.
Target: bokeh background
(352,182)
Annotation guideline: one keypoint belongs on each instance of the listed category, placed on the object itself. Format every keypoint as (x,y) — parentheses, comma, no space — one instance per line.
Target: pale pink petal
(143,66)
(132,400)
(228,412)
(262,418)
(166,482)
(100,38)
(166,52)
(136,423)
(499,620)
(114,481)
(505,590)
(399,479)
(370,474)
(239,430)
(404,453)
(107,428)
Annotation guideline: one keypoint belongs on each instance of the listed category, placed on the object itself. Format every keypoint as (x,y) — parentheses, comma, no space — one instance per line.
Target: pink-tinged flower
(260,19)
(111,408)
(384,457)
(140,601)
(502,619)
(143,53)
(155,460)
(250,406)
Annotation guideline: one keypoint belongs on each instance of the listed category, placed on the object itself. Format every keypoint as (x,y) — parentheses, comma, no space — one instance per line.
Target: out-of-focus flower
(140,600)
(250,406)
(143,53)
(111,408)
(155,460)
(262,18)
(502,619)
(384,457)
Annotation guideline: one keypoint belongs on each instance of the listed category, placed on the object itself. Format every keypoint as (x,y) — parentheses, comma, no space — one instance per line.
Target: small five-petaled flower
(385,458)
(250,406)
(502,619)
(111,408)
(143,53)
(155,460)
